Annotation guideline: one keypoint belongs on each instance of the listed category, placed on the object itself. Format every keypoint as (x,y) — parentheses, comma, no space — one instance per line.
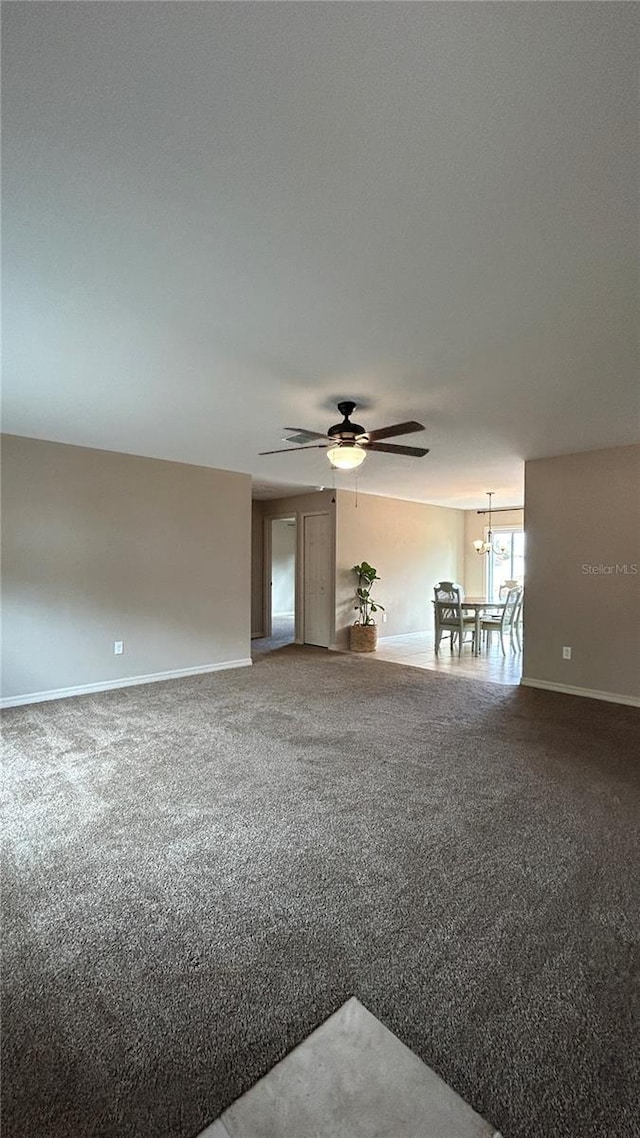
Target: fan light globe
(346,457)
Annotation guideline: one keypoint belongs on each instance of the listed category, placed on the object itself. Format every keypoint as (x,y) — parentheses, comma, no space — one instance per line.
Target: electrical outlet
(384,617)
(566,653)
(118,647)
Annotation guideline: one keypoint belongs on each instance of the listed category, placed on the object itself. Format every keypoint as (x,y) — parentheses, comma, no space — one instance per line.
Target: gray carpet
(198,873)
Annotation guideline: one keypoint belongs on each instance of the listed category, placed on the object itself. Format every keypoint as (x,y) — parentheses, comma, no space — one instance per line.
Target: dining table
(481,605)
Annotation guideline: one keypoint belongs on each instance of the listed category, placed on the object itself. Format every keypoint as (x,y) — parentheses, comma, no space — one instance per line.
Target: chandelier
(491,545)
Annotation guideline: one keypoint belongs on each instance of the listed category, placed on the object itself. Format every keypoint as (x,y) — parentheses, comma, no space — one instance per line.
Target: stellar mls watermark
(624,569)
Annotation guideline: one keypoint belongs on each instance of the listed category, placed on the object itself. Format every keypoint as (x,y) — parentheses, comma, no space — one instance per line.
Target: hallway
(282,633)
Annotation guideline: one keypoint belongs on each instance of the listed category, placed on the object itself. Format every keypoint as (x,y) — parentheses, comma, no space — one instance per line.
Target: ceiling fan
(347,443)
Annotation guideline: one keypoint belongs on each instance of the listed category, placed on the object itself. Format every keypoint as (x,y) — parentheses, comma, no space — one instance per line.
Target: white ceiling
(222,218)
(267,490)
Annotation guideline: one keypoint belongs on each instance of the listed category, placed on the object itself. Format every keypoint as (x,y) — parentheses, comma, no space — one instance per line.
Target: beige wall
(412,546)
(583,510)
(99,546)
(475,565)
(294,507)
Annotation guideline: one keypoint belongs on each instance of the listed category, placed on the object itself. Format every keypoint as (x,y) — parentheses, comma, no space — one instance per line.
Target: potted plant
(364,630)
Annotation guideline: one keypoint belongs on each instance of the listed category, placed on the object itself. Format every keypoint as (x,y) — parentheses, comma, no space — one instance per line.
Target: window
(506,566)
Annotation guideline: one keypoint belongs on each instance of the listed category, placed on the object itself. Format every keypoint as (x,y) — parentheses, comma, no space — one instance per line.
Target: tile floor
(417,649)
(351,1078)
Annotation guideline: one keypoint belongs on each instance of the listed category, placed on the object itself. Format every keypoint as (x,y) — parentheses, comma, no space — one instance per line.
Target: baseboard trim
(588,693)
(128,682)
(397,635)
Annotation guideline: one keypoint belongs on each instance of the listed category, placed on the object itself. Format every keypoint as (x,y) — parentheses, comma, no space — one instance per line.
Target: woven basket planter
(363,637)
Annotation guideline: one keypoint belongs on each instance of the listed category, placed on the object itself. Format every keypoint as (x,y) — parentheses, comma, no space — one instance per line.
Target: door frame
(267,552)
(299,516)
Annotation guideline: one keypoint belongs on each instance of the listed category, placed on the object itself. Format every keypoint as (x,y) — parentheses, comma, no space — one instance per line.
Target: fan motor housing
(346,431)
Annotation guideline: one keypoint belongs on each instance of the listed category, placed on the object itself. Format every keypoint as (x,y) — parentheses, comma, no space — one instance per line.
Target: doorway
(281,599)
(298,581)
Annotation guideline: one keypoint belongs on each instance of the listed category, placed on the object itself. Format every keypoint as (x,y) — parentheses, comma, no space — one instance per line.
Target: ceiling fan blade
(398,429)
(307,434)
(392,448)
(285,450)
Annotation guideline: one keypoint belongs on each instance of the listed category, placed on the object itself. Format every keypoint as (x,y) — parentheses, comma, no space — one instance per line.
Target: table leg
(477,632)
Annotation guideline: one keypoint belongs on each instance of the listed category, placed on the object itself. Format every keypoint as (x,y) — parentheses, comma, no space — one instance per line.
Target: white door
(317,580)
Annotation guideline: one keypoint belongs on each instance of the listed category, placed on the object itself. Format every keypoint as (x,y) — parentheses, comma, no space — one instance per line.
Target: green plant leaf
(364,605)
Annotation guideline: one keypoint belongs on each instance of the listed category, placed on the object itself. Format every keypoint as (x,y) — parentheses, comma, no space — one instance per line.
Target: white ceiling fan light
(346,456)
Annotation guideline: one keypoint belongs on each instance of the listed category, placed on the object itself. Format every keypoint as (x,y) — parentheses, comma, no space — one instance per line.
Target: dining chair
(502,622)
(449,615)
(517,621)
